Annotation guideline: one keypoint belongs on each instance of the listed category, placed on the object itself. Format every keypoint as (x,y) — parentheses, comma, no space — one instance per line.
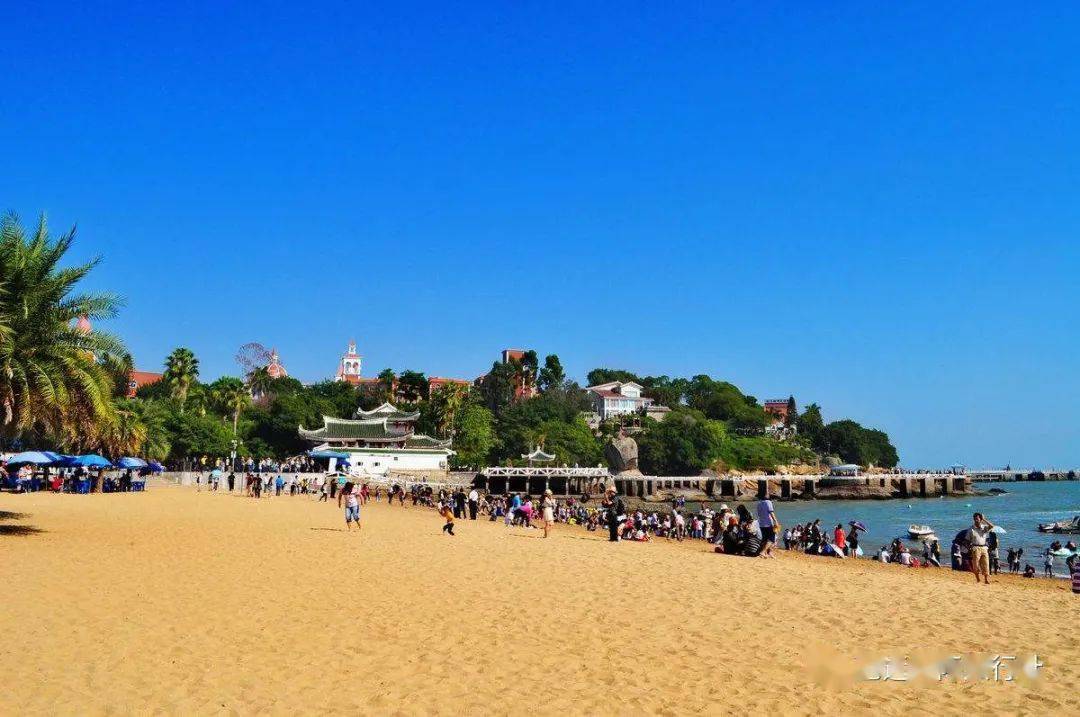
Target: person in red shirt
(839,539)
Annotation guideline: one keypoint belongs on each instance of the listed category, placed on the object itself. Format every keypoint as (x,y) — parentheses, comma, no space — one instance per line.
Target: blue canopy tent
(335,458)
(137,481)
(37,458)
(329,454)
(40,458)
(91,460)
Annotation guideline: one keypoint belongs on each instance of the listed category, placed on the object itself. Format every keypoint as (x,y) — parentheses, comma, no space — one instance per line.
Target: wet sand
(178,602)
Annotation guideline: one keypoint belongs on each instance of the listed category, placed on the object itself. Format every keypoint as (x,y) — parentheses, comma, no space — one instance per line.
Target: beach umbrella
(156,467)
(41,458)
(859,525)
(127,462)
(998,529)
(91,460)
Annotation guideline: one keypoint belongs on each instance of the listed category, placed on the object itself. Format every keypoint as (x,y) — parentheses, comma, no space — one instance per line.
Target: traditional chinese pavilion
(380,441)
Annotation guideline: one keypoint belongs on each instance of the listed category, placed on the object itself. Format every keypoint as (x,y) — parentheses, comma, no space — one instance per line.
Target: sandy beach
(178,602)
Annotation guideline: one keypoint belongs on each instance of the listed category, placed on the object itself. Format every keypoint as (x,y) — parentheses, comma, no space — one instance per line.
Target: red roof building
(137,379)
(521,390)
(274,368)
(436,382)
(777,407)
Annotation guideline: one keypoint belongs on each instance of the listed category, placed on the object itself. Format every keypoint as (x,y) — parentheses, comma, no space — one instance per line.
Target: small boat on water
(920,531)
(1062,526)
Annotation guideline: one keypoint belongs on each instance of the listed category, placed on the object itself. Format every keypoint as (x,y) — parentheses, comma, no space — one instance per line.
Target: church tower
(349,366)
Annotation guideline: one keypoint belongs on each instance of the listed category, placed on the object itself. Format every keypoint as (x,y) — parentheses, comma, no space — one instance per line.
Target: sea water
(1019,512)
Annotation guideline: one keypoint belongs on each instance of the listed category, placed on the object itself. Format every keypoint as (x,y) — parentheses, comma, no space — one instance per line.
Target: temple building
(378,442)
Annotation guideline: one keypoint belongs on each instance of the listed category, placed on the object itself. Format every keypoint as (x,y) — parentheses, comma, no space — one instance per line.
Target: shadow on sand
(16,529)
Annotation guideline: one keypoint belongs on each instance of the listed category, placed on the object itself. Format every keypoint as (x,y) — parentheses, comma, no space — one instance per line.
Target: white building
(380,441)
(618,398)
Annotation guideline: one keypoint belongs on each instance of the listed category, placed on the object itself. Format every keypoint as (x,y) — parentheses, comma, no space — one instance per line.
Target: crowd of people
(734,532)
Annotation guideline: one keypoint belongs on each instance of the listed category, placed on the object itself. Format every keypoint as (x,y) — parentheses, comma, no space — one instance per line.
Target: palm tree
(232,398)
(259,383)
(448,401)
(181,371)
(51,381)
(387,381)
(127,435)
(119,367)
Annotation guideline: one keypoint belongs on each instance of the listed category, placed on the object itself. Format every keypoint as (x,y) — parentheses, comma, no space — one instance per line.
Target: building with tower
(274,368)
(350,366)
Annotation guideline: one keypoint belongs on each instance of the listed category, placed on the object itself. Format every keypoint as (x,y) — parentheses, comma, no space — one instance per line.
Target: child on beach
(445,512)
(352,505)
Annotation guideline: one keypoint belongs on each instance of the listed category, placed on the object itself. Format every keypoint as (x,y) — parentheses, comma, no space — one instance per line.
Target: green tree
(231,397)
(127,433)
(446,401)
(412,386)
(572,443)
(606,375)
(552,374)
(722,401)
(119,366)
(259,382)
(855,444)
(342,397)
(474,436)
(665,391)
(51,382)
(810,425)
(388,382)
(684,443)
(181,373)
(194,436)
(497,388)
(792,413)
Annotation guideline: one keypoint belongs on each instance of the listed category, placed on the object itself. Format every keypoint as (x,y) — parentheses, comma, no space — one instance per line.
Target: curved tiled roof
(388,412)
(422,441)
(538,455)
(344,429)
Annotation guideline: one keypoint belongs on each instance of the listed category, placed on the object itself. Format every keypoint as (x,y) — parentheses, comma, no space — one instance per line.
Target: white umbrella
(998,529)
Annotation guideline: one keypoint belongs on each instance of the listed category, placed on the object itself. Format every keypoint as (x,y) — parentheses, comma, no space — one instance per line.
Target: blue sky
(870,207)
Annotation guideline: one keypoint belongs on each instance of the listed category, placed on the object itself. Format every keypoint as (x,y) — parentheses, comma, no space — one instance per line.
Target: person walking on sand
(474,503)
(980,554)
(616,513)
(768,524)
(547,507)
(352,505)
(446,512)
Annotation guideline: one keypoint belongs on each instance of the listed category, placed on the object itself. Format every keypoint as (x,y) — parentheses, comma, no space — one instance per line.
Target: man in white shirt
(474,503)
